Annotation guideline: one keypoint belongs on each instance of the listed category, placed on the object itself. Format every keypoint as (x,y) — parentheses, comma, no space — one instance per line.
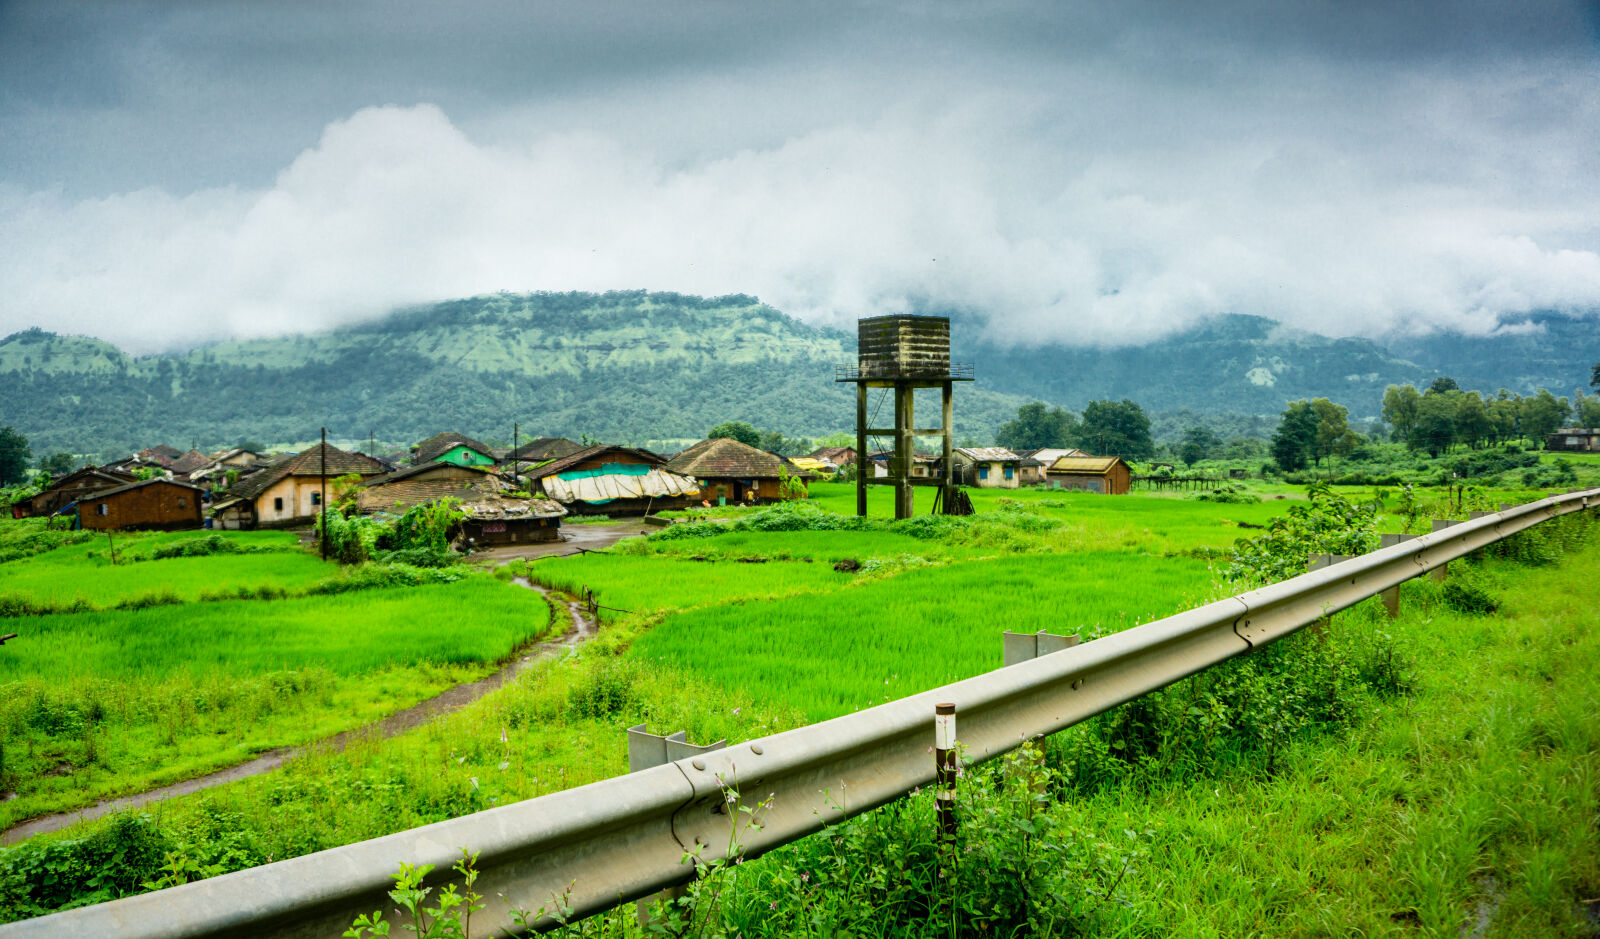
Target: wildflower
(805,877)
(774,905)
(731,796)
(736,712)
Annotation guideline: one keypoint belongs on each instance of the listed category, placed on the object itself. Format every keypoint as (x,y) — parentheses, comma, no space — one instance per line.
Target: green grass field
(119,700)
(1473,785)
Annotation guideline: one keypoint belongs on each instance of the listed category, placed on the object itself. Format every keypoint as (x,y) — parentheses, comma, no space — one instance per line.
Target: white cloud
(1022,213)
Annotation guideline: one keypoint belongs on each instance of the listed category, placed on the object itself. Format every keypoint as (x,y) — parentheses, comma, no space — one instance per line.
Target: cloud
(1111,215)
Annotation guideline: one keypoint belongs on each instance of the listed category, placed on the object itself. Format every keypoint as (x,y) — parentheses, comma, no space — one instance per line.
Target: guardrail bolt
(944,765)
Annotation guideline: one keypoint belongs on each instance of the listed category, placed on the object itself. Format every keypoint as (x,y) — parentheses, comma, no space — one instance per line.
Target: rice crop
(476,620)
(59,578)
(651,584)
(832,653)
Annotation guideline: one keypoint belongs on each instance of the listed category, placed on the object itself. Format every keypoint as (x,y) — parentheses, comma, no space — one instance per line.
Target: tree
(1588,411)
(1594,376)
(1116,428)
(1435,430)
(1036,426)
(774,442)
(1400,404)
(1473,424)
(57,463)
(1295,441)
(1542,414)
(1333,429)
(1504,412)
(1443,384)
(1198,444)
(14,456)
(736,430)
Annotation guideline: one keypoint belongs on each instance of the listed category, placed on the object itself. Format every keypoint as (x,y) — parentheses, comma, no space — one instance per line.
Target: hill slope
(640,367)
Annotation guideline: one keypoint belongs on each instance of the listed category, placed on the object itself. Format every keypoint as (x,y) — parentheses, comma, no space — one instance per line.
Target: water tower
(902,353)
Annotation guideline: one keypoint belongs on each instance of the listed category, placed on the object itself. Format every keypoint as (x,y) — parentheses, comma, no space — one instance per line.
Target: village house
(492,515)
(923,465)
(287,491)
(611,480)
(543,449)
(453,448)
(70,488)
(731,472)
(1574,439)
(1030,472)
(1105,474)
(986,467)
(149,504)
(425,482)
(838,456)
(1048,455)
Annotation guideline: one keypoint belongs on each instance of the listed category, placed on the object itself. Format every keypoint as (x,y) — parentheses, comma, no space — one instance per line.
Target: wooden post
(947,425)
(905,449)
(864,465)
(944,764)
(324,497)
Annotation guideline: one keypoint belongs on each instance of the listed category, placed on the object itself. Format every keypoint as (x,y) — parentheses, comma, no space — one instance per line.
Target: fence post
(644,751)
(944,765)
(1438,574)
(1391,597)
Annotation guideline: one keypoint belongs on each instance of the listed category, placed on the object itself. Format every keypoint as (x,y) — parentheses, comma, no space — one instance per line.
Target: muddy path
(453,699)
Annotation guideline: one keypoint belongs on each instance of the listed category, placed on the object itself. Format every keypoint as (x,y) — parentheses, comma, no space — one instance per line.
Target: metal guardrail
(624,838)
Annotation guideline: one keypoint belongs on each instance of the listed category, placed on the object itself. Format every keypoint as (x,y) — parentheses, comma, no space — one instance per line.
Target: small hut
(730,471)
(159,504)
(1105,474)
(612,480)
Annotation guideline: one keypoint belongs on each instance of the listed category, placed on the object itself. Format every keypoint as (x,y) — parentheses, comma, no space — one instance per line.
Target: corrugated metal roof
(1084,464)
(988,454)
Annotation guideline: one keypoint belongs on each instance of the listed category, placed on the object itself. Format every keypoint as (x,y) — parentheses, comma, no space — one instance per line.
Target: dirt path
(453,699)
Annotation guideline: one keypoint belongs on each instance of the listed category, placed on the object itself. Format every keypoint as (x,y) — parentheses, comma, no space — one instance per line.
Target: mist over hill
(640,367)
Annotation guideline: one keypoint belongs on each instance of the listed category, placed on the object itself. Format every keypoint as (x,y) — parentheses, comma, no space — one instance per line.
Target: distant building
(730,471)
(838,456)
(1574,439)
(72,487)
(1105,474)
(160,504)
(454,448)
(288,490)
(987,467)
(541,449)
(610,480)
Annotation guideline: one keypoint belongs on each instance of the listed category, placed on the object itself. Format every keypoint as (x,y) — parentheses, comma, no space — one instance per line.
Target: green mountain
(630,367)
(639,367)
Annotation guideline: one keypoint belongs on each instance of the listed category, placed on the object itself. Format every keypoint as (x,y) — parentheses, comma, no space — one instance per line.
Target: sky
(1094,174)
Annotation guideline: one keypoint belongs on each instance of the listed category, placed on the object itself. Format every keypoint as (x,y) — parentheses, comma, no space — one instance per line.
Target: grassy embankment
(681,662)
(162,677)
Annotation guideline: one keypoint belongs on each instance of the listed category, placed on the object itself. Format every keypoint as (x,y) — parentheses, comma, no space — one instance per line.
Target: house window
(277,504)
(316,499)
(183,503)
(100,509)
(1009,471)
(983,471)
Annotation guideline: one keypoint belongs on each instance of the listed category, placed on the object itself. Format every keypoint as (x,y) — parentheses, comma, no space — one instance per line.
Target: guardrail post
(1391,597)
(1021,647)
(646,750)
(1316,562)
(1476,514)
(944,767)
(1438,574)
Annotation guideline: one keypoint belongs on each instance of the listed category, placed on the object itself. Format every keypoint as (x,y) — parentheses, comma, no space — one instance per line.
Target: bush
(1326,524)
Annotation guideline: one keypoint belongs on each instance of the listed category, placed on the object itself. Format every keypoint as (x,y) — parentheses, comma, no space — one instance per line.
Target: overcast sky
(172,173)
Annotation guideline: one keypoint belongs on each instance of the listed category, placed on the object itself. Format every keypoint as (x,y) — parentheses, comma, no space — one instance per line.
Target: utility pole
(324,496)
(514,429)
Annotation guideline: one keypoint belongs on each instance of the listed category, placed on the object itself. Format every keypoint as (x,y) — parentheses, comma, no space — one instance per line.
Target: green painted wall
(464,456)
